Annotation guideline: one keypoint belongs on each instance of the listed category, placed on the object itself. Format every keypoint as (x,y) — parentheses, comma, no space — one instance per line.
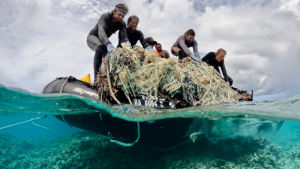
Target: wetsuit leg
(180,54)
(174,51)
(230,80)
(100,53)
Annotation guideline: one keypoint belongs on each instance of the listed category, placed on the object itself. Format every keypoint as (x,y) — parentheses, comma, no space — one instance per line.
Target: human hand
(128,43)
(197,59)
(110,48)
(149,48)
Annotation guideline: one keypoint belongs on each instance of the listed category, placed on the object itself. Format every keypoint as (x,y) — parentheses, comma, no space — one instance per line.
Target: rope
(210,139)
(128,144)
(204,94)
(194,136)
(101,92)
(62,87)
(183,90)
(128,98)
(131,88)
(48,128)
(41,117)
(259,123)
(66,121)
(140,72)
(111,92)
(123,84)
(32,120)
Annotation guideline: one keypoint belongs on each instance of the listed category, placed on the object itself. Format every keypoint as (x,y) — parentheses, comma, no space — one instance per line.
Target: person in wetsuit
(216,60)
(151,42)
(134,35)
(163,53)
(181,47)
(108,24)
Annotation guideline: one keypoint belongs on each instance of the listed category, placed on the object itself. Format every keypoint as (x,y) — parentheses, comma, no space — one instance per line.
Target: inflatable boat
(160,134)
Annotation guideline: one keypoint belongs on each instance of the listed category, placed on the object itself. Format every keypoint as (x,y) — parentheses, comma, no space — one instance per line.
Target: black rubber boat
(161,133)
(164,133)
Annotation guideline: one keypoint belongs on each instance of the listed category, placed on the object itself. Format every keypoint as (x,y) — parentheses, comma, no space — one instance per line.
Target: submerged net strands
(138,72)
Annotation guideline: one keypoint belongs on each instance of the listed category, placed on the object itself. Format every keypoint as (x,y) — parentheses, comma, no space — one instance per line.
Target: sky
(42,40)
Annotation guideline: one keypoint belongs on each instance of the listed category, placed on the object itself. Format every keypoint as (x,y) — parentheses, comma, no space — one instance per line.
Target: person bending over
(163,53)
(151,42)
(108,24)
(181,47)
(216,60)
(134,35)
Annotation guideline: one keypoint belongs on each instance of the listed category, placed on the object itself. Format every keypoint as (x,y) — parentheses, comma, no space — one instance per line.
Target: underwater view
(229,135)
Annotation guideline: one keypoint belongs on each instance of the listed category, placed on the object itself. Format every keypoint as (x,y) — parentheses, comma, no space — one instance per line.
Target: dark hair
(133,17)
(122,6)
(158,44)
(190,32)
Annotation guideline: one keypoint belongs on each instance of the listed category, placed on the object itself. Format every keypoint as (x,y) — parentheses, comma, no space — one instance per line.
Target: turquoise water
(17,101)
(51,143)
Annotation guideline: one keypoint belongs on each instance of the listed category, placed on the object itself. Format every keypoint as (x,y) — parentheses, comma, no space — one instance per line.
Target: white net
(141,72)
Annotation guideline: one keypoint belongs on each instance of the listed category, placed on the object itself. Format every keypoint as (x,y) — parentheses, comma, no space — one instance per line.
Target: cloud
(40,41)
(44,40)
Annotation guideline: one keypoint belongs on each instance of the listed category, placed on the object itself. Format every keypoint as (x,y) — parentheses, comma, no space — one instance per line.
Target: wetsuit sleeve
(207,57)
(143,41)
(195,47)
(181,42)
(123,33)
(102,23)
(225,72)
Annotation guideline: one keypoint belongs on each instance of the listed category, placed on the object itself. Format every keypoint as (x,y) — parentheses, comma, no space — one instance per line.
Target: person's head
(190,35)
(151,41)
(158,47)
(246,96)
(132,22)
(119,12)
(220,55)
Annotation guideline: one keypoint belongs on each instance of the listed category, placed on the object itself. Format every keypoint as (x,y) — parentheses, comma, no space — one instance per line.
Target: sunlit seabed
(14,101)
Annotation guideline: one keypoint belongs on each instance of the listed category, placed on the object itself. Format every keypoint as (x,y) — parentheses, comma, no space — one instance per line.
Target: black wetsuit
(98,37)
(210,59)
(134,37)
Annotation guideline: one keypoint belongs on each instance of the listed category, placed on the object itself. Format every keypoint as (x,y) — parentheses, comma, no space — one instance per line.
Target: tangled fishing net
(138,72)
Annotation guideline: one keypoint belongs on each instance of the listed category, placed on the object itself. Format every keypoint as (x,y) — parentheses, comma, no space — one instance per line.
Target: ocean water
(230,135)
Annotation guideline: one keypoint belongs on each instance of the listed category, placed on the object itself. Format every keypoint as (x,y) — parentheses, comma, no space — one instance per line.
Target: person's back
(217,60)
(210,59)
